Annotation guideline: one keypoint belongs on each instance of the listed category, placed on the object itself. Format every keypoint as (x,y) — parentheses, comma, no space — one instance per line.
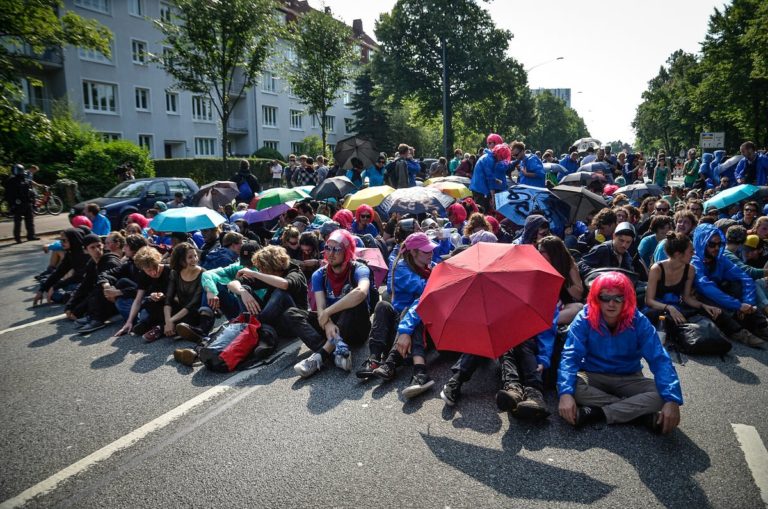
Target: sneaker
(747,338)
(186,356)
(533,406)
(91,326)
(366,371)
(508,398)
(386,372)
(650,421)
(451,391)
(343,362)
(189,333)
(82,321)
(153,334)
(140,329)
(309,366)
(419,384)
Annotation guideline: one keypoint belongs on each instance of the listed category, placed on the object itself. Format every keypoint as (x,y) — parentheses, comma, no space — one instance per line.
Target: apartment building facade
(127,96)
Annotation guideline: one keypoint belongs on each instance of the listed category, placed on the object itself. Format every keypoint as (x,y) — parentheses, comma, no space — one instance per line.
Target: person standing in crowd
(600,378)
(375,174)
(661,172)
(690,169)
(290,168)
(276,170)
(454,163)
(753,169)
(18,194)
(246,182)
(570,163)
(322,169)
(531,169)
(482,175)
(404,169)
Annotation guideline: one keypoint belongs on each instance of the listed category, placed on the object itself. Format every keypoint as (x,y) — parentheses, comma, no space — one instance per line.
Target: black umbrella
(415,200)
(216,194)
(581,178)
(595,166)
(334,187)
(636,192)
(355,147)
(582,202)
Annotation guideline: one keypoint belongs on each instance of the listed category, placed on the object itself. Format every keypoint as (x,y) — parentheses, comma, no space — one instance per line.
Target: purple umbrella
(257,216)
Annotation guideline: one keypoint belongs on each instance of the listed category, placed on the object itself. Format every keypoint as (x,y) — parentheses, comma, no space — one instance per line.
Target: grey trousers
(622,397)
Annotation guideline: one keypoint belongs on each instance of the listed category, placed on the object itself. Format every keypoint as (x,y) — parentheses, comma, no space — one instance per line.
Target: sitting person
(363,224)
(101,225)
(659,226)
(225,254)
(614,253)
(600,376)
(601,229)
(572,293)
(119,284)
(536,228)
(70,271)
(151,285)
(342,294)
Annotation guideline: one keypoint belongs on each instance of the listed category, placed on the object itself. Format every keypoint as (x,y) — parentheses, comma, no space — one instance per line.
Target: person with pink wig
(341,289)
(363,223)
(502,154)
(483,175)
(345,218)
(600,377)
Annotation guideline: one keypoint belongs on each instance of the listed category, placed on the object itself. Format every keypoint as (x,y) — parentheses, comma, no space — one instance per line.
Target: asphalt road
(122,425)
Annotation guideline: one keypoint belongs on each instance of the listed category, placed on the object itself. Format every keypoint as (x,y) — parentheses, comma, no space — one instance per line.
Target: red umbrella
(376,263)
(489,299)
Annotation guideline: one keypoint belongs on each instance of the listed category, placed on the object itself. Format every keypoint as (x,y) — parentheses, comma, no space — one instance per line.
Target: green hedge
(95,163)
(204,171)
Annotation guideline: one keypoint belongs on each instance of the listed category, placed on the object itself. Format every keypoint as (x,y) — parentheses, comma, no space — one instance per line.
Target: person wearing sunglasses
(600,377)
(341,291)
(750,215)
(716,280)
(363,223)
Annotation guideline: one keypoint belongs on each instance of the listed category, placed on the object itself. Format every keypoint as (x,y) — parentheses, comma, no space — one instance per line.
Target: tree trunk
(225,112)
(323,134)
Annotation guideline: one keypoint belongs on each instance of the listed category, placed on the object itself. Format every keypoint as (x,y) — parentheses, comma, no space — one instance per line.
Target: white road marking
(30,324)
(50,484)
(756,456)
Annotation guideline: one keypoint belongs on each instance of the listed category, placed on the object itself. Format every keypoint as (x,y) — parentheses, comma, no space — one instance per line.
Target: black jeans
(383,328)
(23,211)
(354,326)
(518,366)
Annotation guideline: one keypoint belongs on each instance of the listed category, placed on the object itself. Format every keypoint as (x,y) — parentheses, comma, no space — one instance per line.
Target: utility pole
(447,110)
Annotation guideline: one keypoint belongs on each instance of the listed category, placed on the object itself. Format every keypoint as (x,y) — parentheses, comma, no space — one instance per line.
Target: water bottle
(661,329)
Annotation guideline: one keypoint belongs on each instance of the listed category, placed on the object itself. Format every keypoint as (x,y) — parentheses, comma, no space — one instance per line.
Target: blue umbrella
(521,201)
(186,219)
(595,166)
(725,199)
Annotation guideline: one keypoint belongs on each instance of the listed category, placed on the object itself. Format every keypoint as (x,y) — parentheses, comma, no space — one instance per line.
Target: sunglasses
(662,209)
(619,299)
(750,210)
(714,244)
(365,216)
(333,249)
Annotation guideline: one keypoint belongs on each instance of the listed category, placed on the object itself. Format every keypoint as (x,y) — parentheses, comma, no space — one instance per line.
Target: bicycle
(48,203)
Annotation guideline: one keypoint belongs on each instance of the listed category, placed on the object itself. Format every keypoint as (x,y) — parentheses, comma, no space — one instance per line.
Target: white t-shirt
(277,171)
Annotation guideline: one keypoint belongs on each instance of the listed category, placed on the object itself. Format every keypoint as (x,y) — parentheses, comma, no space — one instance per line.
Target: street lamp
(543,63)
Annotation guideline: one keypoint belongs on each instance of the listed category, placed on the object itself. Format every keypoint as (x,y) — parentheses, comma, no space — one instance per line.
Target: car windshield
(130,189)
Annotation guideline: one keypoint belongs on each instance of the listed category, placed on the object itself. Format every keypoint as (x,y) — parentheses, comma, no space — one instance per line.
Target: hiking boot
(366,371)
(747,338)
(386,372)
(761,334)
(309,366)
(91,326)
(533,406)
(186,356)
(153,334)
(650,421)
(343,361)
(419,383)
(186,331)
(508,398)
(589,415)
(451,391)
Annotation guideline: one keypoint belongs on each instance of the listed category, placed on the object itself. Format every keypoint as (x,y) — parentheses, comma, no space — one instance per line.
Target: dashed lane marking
(756,455)
(30,324)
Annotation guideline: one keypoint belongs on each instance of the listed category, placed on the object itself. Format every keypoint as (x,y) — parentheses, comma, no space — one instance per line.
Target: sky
(610,49)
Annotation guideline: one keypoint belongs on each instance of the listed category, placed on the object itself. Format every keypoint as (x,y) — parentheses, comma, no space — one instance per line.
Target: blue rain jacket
(761,174)
(708,276)
(599,351)
(570,165)
(482,175)
(715,166)
(408,288)
(705,169)
(532,163)
(500,173)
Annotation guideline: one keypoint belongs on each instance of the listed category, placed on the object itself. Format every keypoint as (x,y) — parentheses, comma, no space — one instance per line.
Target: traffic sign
(712,140)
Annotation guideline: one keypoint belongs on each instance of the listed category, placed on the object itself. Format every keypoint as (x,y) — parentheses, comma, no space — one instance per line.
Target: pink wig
(502,152)
(470,205)
(612,281)
(363,209)
(495,226)
(347,241)
(494,138)
(344,217)
(81,220)
(459,211)
(609,189)
(138,219)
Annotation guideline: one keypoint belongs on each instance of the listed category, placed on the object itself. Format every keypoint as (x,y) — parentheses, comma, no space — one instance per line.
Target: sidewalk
(44,225)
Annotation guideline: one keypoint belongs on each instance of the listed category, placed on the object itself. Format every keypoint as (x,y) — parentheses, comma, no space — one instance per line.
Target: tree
(37,25)
(410,60)
(218,49)
(557,125)
(371,117)
(323,58)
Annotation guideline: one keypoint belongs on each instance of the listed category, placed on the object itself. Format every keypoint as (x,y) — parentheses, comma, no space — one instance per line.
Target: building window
(142,99)
(296,148)
(165,12)
(330,121)
(272,144)
(269,116)
(94,5)
(172,103)
(99,97)
(167,57)
(107,137)
(347,97)
(145,141)
(136,7)
(202,109)
(268,82)
(93,55)
(331,148)
(349,125)
(205,146)
(296,119)
(138,52)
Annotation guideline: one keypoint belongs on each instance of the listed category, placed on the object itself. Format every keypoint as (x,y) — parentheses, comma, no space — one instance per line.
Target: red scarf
(337,281)
(425,272)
